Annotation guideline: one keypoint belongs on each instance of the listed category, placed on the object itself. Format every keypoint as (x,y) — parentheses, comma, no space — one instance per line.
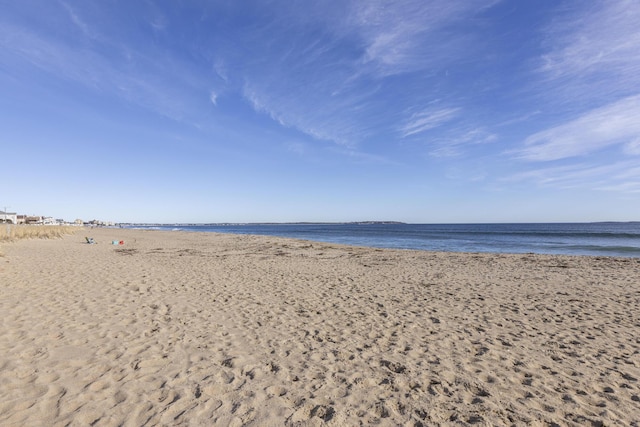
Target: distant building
(33,220)
(100,223)
(8,217)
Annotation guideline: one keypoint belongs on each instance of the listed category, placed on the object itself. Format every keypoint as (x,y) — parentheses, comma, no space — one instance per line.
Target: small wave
(627,251)
(538,234)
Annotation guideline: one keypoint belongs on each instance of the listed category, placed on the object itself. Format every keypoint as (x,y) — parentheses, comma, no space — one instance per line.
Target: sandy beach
(200,329)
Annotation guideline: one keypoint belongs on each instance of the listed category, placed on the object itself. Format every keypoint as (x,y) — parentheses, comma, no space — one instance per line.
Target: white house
(8,217)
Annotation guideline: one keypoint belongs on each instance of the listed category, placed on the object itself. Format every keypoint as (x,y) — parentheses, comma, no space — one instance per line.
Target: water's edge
(603,239)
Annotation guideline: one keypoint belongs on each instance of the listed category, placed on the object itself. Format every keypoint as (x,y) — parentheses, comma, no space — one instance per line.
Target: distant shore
(178,224)
(176,328)
(168,224)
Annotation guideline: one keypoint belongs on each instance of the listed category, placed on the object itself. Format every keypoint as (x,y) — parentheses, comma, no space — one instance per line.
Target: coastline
(184,328)
(591,239)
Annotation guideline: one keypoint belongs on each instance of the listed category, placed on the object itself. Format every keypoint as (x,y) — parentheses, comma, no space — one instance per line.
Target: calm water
(610,239)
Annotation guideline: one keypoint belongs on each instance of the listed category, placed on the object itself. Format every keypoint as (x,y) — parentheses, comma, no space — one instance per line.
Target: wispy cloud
(616,123)
(46,54)
(151,78)
(297,147)
(633,147)
(362,157)
(329,81)
(590,77)
(320,120)
(428,119)
(621,176)
(456,142)
(213,97)
(624,178)
(399,36)
(595,51)
(622,187)
(566,176)
(221,71)
(78,21)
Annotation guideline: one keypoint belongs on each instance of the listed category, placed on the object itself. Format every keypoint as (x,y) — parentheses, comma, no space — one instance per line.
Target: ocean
(600,239)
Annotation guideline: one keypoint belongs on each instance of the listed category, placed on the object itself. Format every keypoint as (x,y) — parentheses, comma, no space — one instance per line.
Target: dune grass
(10,233)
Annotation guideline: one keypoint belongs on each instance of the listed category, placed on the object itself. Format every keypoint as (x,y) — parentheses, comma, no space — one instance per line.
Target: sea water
(604,238)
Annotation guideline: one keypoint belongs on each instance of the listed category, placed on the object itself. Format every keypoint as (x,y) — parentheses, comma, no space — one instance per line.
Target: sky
(421,111)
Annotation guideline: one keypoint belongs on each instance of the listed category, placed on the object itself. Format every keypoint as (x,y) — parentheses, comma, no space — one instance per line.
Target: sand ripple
(192,329)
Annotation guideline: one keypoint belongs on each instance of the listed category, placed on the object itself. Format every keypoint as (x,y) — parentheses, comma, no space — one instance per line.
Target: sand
(203,329)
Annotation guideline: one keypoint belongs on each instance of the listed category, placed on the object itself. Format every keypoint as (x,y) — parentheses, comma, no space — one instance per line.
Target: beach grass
(10,233)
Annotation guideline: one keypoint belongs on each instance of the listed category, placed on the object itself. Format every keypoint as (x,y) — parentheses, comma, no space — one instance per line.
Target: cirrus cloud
(616,123)
(428,119)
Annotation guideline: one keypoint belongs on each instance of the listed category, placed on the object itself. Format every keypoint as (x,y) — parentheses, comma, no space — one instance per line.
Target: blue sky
(238,111)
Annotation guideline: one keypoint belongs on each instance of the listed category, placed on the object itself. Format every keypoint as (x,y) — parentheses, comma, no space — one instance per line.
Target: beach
(199,329)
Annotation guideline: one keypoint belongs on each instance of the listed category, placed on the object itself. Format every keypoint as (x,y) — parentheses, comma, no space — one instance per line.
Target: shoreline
(377,243)
(187,328)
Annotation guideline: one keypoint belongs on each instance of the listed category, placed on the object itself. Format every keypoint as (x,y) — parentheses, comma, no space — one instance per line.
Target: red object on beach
(121,242)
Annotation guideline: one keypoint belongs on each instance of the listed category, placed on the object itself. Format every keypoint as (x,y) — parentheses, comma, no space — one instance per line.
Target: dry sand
(206,329)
